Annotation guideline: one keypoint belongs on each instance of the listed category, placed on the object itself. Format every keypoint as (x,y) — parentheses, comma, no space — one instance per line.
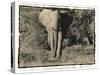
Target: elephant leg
(51,38)
(55,34)
(58,53)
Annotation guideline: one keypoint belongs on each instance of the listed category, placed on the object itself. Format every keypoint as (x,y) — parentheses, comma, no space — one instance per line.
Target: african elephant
(56,23)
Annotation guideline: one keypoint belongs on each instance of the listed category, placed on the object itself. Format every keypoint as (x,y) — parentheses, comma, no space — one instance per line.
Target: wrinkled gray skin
(49,19)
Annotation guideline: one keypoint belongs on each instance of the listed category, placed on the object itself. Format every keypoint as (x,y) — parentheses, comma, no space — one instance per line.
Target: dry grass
(70,56)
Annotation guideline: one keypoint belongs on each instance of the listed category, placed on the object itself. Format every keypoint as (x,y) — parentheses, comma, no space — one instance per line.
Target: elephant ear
(44,17)
(65,21)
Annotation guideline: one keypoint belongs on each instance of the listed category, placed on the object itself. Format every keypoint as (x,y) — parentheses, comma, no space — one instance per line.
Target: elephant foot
(58,55)
(52,59)
(52,56)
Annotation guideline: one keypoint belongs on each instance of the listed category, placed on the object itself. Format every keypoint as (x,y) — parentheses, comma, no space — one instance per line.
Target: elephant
(56,23)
